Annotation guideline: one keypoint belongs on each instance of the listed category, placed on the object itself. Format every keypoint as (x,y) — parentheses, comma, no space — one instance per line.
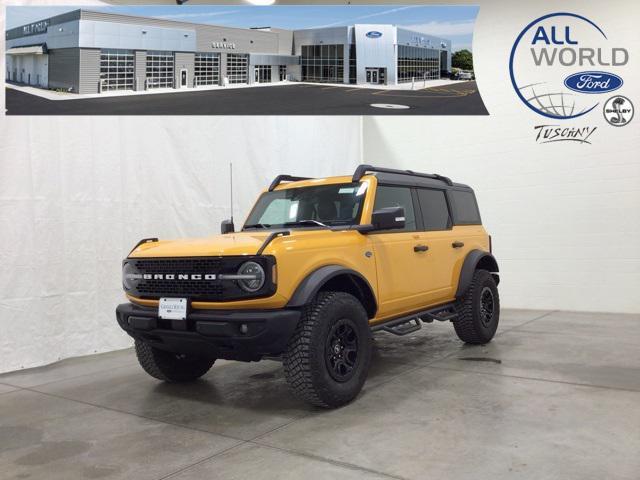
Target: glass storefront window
(418,63)
(323,63)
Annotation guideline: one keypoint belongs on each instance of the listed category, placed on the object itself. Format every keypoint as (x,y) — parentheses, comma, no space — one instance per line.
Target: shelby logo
(373,34)
(171,276)
(545,56)
(556,133)
(593,82)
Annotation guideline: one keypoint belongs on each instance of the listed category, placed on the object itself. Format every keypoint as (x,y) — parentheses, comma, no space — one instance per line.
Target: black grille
(182,265)
(204,289)
(184,288)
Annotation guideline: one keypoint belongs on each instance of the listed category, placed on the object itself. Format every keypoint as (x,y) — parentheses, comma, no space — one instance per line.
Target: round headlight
(130,276)
(252,277)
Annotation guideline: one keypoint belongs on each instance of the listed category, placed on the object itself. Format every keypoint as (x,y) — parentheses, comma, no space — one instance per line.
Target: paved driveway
(297,99)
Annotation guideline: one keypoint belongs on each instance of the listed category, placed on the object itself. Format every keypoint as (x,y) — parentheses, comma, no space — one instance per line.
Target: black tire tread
(465,324)
(298,359)
(166,367)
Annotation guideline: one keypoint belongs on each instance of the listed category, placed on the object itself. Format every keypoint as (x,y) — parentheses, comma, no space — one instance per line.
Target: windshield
(321,206)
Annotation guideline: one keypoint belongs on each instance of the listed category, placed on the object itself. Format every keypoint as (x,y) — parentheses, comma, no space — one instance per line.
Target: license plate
(173,308)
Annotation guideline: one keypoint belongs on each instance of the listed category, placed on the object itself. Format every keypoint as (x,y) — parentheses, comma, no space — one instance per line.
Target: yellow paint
(403,280)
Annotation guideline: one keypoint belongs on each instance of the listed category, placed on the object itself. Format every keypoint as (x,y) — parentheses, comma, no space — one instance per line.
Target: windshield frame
(355,221)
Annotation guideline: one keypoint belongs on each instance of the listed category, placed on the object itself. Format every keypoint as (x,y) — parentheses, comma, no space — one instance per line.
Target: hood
(241,243)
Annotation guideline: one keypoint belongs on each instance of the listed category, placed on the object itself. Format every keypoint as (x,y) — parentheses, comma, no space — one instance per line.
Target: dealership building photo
(89,52)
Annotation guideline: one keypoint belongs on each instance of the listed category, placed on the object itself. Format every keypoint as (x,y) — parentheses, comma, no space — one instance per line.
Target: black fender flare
(474,259)
(312,283)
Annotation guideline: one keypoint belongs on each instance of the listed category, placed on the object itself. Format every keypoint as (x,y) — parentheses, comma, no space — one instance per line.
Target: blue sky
(453,22)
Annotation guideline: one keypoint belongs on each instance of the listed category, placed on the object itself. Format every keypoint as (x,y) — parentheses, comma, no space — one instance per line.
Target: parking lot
(296,99)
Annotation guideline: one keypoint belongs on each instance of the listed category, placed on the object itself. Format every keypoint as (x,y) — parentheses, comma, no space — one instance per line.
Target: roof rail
(362,170)
(285,178)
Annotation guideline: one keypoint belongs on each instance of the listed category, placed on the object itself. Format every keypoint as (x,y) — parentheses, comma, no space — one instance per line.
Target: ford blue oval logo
(374,34)
(593,82)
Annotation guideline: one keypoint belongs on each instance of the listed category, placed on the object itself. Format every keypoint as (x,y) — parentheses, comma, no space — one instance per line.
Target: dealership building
(85,52)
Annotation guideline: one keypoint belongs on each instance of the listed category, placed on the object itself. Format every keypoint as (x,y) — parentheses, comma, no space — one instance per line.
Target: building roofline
(187,24)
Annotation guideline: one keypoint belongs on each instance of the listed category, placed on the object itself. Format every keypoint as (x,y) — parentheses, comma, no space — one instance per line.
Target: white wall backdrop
(77,193)
(565,217)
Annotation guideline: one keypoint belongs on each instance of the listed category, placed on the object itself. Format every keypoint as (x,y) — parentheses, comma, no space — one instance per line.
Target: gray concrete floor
(556,395)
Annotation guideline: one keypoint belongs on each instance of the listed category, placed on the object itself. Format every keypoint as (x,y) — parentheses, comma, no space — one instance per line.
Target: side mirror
(226,226)
(390,218)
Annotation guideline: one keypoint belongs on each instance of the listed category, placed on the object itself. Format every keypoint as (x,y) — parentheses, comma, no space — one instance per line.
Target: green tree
(462,59)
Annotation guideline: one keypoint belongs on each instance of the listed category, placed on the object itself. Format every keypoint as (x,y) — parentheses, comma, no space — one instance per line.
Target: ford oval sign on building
(593,82)
(374,34)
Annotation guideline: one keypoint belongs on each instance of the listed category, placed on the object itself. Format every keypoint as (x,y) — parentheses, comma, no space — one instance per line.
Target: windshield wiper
(257,225)
(306,221)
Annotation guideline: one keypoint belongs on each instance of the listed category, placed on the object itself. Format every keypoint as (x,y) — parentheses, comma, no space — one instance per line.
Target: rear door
(438,234)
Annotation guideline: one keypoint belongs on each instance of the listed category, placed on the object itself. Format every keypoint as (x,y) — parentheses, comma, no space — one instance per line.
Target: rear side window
(435,212)
(465,208)
(397,197)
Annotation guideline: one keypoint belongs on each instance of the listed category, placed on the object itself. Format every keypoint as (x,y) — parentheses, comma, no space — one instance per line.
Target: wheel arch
(476,259)
(335,278)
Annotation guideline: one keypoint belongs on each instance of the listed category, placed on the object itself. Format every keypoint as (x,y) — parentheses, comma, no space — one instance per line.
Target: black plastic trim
(469,267)
(144,240)
(214,333)
(269,239)
(311,285)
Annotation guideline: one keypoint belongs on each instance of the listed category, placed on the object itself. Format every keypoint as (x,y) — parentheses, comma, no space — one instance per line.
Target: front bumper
(229,334)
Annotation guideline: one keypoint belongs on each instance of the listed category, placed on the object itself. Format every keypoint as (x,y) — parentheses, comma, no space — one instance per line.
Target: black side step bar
(411,323)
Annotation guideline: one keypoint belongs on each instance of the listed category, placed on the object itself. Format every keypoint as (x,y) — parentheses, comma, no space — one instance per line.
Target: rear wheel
(171,367)
(328,356)
(478,310)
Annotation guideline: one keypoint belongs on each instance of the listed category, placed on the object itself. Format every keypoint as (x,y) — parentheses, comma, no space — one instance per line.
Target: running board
(411,323)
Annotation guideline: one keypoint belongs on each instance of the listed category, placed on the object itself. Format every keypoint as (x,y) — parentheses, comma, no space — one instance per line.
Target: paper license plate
(173,308)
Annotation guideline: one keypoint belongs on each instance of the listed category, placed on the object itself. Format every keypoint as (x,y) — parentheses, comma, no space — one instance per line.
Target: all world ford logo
(593,82)
(374,34)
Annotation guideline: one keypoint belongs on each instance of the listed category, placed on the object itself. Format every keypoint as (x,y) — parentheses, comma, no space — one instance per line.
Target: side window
(397,197)
(435,213)
(465,208)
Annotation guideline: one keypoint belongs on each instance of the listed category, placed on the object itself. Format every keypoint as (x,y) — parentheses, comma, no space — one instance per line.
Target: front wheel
(328,356)
(171,367)
(478,310)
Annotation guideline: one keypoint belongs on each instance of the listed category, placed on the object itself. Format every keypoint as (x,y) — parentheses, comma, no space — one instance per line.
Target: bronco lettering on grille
(181,276)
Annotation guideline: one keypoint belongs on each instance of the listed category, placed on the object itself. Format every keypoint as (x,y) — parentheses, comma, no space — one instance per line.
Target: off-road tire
(171,367)
(306,365)
(469,324)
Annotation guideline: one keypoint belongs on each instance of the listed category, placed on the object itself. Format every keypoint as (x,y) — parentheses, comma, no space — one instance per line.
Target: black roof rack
(362,170)
(285,178)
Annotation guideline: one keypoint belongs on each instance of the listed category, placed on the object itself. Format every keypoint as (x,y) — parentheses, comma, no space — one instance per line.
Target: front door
(372,76)
(183,77)
(402,263)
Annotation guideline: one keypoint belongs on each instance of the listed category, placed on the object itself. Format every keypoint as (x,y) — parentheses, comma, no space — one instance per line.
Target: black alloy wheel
(341,351)
(486,307)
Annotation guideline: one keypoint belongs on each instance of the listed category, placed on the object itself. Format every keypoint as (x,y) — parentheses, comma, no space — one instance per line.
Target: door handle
(457,244)
(420,248)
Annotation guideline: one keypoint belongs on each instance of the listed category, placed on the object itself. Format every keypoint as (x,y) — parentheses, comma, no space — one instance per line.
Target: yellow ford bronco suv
(318,266)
